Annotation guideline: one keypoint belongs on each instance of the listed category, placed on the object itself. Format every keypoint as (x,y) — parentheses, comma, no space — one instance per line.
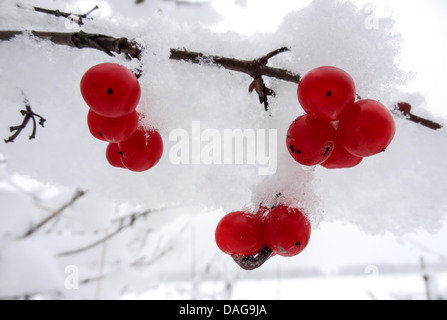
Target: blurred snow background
(378,228)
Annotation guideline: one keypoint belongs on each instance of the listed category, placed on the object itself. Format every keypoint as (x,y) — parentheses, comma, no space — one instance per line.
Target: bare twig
(68,15)
(78,194)
(122,226)
(264,60)
(141,262)
(256,68)
(94,244)
(28,115)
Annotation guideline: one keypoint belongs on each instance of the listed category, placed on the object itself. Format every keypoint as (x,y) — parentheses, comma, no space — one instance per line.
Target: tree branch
(122,226)
(82,40)
(28,115)
(256,68)
(253,68)
(68,15)
(76,196)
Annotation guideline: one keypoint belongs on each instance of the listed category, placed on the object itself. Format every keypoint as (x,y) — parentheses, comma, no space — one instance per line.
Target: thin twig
(426,278)
(94,244)
(28,114)
(269,55)
(122,226)
(101,267)
(68,15)
(142,263)
(78,194)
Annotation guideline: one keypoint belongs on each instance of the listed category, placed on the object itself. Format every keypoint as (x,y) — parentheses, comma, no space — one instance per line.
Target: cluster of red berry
(252,238)
(336,131)
(113,92)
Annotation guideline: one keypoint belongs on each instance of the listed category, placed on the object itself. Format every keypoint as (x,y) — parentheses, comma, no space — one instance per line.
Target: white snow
(363,216)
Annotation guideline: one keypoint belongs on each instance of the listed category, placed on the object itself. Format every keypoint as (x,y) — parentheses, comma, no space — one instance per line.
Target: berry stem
(404,108)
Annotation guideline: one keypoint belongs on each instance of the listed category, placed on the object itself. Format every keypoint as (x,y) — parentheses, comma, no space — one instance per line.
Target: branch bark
(68,15)
(81,40)
(256,68)
(253,68)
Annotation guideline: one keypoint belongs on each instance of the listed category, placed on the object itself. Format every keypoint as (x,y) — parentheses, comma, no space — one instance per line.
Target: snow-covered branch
(81,40)
(256,68)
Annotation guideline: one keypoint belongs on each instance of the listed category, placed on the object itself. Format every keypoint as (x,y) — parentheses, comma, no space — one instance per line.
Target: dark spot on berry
(100,133)
(298,244)
(328,94)
(292,148)
(298,151)
(121,154)
(326,151)
(109,91)
(255,261)
(383,150)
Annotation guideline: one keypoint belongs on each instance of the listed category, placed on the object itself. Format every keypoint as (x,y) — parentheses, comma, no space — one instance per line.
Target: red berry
(113,155)
(310,141)
(238,233)
(341,159)
(112,129)
(110,89)
(366,128)
(325,91)
(287,230)
(142,150)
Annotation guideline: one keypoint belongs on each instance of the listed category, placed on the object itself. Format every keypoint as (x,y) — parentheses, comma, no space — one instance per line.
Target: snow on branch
(81,40)
(256,68)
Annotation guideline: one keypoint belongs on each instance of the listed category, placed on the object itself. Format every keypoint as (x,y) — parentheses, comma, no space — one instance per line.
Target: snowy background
(378,229)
